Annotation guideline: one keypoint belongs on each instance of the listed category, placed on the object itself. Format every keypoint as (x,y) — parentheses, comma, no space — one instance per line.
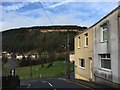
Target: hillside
(26,39)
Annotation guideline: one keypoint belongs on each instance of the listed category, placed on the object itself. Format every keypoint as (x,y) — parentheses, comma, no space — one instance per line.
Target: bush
(49,58)
(24,62)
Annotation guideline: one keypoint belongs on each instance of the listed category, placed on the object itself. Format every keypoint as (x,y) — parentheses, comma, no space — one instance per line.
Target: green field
(37,71)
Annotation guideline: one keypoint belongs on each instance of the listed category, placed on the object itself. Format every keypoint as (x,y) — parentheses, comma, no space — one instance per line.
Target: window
(79,42)
(82,63)
(104,33)
(105,61)
(86,39)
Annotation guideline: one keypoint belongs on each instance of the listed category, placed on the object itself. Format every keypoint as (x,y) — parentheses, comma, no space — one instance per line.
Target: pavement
(92,84)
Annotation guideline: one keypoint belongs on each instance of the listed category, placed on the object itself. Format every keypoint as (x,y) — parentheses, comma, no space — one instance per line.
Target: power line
(45,12)
(90,16)
(29,21)
(86,19)
(67,47)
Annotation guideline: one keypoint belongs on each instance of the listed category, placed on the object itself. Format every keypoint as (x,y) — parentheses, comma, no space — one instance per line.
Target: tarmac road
(54,83)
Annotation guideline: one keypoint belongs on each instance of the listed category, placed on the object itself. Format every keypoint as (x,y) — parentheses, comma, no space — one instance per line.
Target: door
(91,73)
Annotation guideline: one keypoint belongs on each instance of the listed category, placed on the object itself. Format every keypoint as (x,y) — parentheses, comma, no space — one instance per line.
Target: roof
(85,30)
(98,21)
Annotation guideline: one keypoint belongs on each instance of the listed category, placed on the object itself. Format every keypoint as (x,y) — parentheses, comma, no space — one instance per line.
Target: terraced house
(97,50)
(107,48)
(84,55)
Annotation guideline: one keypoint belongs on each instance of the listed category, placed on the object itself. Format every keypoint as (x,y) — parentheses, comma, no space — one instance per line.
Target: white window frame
(80,63)
(103,30)
(79,42)
(105,59)
(86,37)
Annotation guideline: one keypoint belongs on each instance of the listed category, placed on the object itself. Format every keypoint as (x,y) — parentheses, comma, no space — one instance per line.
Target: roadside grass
(58,68)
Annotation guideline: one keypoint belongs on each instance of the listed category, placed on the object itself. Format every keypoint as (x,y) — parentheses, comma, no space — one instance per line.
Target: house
(72,57)
(6,55)
(97,51)
(83,55)
(107,48)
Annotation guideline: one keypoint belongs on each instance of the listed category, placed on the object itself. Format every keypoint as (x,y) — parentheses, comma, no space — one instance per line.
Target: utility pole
(67,56)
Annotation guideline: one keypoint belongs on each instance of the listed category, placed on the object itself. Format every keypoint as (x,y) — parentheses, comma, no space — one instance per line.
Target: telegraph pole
(67,56)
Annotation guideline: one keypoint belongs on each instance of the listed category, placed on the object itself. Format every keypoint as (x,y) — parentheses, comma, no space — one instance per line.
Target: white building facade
(107,48)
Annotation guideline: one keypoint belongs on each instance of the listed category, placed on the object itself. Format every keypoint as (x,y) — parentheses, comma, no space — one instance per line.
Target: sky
(17,13)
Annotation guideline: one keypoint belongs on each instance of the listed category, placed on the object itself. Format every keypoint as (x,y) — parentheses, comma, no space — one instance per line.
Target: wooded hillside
(24,40)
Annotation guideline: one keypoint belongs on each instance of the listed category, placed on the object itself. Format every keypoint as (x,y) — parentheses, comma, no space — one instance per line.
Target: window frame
(105,58)
(103,30)
(79,42)
(82,67)
(86,39)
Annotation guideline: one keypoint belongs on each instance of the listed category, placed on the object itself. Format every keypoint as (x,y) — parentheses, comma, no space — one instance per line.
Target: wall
(72,57)
(119,41)
(84,53)
(107,47)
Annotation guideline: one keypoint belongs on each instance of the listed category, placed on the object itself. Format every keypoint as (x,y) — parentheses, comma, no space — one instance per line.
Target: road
(54,83)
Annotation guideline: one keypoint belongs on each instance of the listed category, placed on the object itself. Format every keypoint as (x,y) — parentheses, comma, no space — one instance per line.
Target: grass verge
(24,73)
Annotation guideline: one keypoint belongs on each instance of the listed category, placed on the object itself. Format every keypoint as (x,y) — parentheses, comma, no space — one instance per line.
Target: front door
(91,68)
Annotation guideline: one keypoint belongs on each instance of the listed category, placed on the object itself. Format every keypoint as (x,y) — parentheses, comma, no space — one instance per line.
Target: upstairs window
(86,39)
(79,42)
(104,32)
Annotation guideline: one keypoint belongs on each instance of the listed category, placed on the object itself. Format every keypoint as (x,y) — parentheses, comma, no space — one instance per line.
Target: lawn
(57,69)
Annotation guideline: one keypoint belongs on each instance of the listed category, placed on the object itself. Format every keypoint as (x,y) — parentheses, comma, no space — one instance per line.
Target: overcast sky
(16,14)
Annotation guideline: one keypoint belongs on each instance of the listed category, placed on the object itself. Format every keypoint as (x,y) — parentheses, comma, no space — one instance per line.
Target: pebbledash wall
(107,49)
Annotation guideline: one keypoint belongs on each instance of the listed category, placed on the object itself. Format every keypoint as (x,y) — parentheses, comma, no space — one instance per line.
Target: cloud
(60,13)
(23,21)
(60,0)
(58,4)
(15,6)
(12,20)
